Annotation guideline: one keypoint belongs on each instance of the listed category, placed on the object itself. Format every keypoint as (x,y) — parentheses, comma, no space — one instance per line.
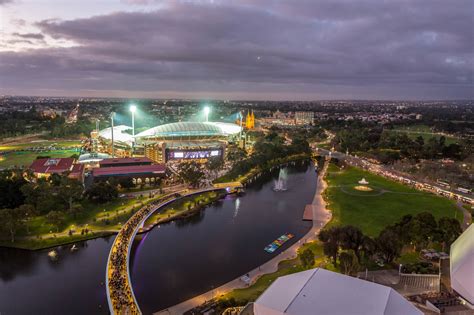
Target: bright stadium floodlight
(133,109)
(207,110)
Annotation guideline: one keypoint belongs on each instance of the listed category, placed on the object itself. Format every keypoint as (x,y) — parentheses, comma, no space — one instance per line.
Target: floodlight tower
(112,114)
(207,110)
(133,109)
(241,127)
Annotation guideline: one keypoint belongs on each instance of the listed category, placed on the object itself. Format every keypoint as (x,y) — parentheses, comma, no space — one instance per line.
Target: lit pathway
(467,218)
(120,296)
(320,217)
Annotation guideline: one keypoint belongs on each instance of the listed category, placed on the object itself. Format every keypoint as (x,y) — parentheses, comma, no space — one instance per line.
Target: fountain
(280,184)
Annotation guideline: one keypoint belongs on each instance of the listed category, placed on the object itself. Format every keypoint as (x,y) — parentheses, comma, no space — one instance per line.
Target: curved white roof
(462,264)
(119,134)
(190,129)
(319,291)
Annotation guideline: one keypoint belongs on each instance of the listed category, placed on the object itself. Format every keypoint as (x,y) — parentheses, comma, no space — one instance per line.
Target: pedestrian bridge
(120,296)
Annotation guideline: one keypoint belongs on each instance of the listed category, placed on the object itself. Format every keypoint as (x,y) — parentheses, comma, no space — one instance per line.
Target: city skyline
(259,50)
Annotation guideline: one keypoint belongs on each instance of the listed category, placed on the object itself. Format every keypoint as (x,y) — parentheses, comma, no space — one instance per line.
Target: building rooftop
(462,264)
(190,129)
(319,291)
(129,170)
(132,160)
(52,165)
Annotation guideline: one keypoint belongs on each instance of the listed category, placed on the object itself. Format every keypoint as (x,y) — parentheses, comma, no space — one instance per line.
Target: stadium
(173,141)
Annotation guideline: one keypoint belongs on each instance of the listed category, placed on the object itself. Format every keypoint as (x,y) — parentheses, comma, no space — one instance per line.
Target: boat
(270,248)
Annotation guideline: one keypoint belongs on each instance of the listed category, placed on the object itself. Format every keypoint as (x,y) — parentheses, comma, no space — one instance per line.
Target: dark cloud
(2,2)
(29,35)
(306,49)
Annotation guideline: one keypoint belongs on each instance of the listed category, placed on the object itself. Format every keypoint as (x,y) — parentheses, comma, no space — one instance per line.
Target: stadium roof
(119,134)
(92,157)
(462,264)
(191,129)
(319,291)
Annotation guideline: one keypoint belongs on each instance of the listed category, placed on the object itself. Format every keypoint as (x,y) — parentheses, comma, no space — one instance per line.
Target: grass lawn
(285,267)
(424,131)
(24,157)
(384,205)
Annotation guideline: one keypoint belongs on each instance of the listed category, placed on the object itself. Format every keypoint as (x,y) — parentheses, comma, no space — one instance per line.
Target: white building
(462,265)
(322,292)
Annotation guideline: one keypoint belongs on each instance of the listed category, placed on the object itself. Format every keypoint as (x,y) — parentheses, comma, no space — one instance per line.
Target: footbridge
(120,296)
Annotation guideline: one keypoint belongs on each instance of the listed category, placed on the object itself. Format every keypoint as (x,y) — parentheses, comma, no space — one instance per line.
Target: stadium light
(112,114)
(207,110)
(133,109)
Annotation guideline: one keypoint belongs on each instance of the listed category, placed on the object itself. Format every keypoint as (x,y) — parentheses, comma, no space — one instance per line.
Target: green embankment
(384,205)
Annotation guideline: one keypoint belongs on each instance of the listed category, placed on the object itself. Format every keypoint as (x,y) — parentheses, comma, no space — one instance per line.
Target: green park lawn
(285,267)
(384,205)
(423,130)
(24,157)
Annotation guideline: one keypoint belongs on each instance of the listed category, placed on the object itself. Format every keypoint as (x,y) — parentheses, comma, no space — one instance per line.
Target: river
(172,262)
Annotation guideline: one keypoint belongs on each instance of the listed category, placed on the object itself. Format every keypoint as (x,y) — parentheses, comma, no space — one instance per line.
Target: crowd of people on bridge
(119,287)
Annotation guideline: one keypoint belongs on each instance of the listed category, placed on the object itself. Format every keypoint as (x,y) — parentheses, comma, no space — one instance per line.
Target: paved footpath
(320,217)
(467,218)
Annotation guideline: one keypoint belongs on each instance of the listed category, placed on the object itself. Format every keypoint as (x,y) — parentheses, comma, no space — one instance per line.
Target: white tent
(322,292)
(462,265)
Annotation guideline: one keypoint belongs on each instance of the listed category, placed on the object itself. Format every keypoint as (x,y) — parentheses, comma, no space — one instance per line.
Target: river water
(172,262)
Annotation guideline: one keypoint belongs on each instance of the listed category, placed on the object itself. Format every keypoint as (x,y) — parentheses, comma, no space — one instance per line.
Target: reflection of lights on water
(237,207)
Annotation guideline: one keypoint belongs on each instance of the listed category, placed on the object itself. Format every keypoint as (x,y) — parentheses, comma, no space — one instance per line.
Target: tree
(126,182)
(10,221)
(102,192)
(11,195)
(214,164)
(55,218)
(352,238)
(191,173)
(307,258)
(349,262)
(449,230)
(331,239)
(389,246)
(69,190)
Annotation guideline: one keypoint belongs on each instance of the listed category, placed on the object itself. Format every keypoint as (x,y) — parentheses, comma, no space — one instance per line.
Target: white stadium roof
(322,292)
(190,129)
(119,134)
(462,264)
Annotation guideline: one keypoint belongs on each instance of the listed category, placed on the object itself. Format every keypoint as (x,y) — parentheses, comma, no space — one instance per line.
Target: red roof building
(47,166)
(132,161)
(138,171)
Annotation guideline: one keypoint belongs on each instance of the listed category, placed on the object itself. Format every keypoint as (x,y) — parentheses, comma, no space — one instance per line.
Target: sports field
(22,154)
(384,205)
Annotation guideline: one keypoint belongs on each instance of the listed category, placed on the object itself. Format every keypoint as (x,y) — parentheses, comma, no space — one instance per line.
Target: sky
(238,49)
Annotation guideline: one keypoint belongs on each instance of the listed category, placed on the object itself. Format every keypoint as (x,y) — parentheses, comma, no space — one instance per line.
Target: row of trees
(267,147)
(22,198)
(390,146)
(348,247)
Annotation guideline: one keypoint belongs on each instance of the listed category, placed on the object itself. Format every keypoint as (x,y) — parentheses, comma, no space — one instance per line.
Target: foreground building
(322,292)
(462,266)
(45,167)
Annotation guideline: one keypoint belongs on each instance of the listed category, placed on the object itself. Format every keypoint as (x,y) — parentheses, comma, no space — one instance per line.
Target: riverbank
(245,178)
(320,217)
(122,213)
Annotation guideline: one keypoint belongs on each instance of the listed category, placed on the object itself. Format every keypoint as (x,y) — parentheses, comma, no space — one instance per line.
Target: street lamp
(112,132)
(133,109)
(207,110)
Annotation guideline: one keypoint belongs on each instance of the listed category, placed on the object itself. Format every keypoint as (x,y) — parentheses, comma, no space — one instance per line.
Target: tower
(250,120)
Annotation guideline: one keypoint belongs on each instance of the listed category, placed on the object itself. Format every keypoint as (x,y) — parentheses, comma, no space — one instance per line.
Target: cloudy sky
(238,49)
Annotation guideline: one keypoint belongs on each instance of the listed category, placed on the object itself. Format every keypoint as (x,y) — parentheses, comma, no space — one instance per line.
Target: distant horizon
(241,100)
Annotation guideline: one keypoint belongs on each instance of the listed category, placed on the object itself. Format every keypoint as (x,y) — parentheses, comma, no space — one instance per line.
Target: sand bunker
(363,188)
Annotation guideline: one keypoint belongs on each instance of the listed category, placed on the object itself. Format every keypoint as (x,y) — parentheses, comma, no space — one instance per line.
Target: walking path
(467,217)
(321,216)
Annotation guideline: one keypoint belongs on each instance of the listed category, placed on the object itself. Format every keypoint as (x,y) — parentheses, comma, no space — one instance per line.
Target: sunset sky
(247,49)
